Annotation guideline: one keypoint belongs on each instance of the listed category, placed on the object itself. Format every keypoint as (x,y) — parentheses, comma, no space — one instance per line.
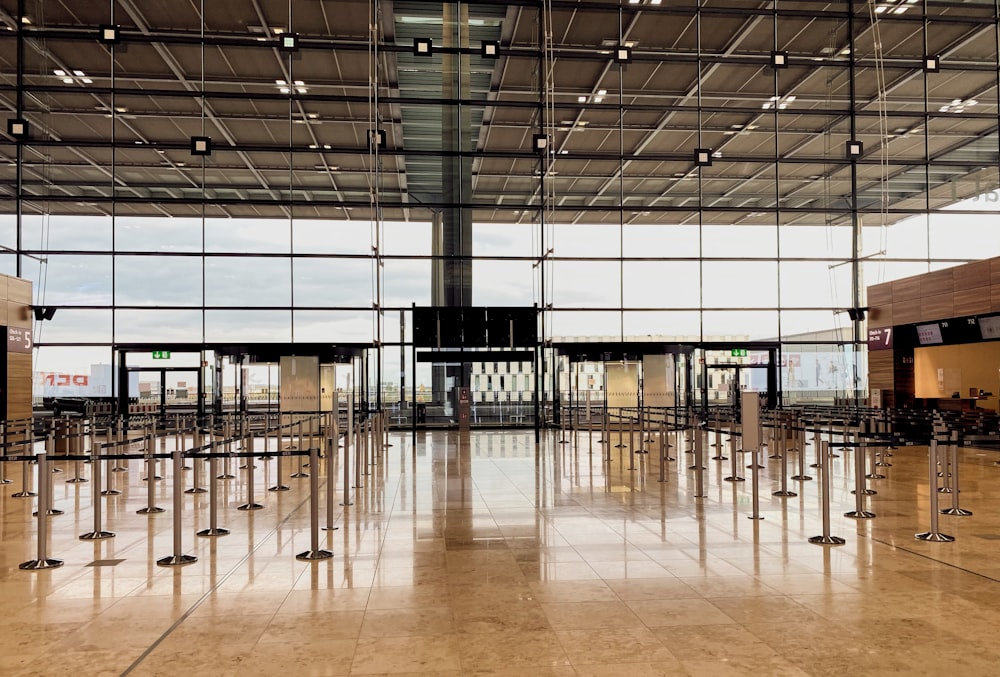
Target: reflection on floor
(489,556)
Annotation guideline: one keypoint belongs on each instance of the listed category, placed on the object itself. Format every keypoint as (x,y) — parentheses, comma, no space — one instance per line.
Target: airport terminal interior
(542,337)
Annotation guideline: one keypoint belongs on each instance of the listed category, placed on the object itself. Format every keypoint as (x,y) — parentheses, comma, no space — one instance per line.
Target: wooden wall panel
(880,369)
(19,290)
(937,307)
(18,385)
(880,295)
(906,289)
(880,316)
(972,275)
(995,297)
(937,283)
(995,271)
(972,301)
(906,312)
(18,315)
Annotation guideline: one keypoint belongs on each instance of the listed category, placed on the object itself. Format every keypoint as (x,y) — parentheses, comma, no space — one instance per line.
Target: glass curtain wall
(301,172)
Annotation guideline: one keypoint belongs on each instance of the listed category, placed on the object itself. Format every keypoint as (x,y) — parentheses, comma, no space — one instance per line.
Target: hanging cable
(883,131)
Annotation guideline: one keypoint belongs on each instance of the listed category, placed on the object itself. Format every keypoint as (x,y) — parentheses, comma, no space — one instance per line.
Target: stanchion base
(934,537)
(641,451)
(815,465)
(227,476)
(50,511)
(111,492)
(330,528)
(4,480)
(800,478)
(875,476)
(734,479)
(694,467)
(72,480)
(299,475)
(149,510)
(176,560)
(827,540)
(784,493)
(775,456)
(96,535)
(185,467)
(880,464)
(957,512)
(758,466)
(865,492)
(156,478)
(119,468)
(280,487)
(196,490)
(859,514)
(313,555)
(755,517)
(619,446)
(55,469)
(250,506)
(23,494)
(37,564)
(346,504)
(720,458)
(217,531)
(944,490)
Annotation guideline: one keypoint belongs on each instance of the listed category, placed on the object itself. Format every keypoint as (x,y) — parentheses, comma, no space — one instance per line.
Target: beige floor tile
(673,612)
(652,588)
(510,650)
(643,669)
(580,615)
(613,646)
(316,626)
(406,654)
(408,622)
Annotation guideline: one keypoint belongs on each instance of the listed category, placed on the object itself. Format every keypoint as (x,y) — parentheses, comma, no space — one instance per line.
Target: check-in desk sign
(18,340)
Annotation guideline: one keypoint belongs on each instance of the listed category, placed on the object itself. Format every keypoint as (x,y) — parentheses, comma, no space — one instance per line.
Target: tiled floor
(486,556)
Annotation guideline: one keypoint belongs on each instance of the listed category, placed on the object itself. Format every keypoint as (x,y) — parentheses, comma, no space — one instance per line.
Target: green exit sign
(161,354)
(738,352)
